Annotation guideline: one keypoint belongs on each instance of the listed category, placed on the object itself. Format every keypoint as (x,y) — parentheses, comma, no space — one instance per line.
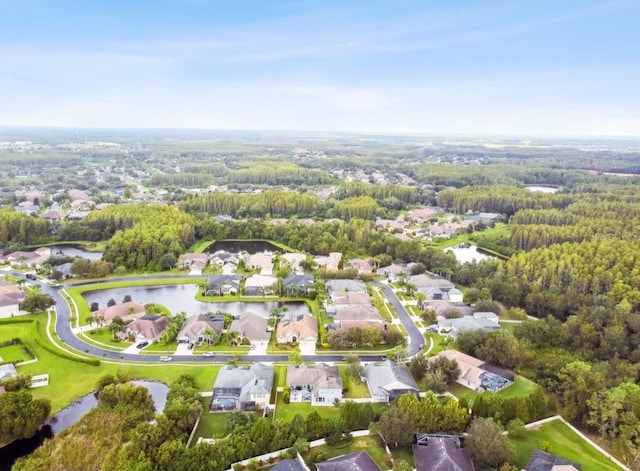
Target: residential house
(393,272)
(262,261)
(453,327)
(543,461)
(260,285)
(148,327)
(8,371)
(422,282)
(423,214)
(440,453)
(220,285)
(443,294)
(331,261)
(197,329)
(442,308)
(334,286)
(11,295)
(362,313)
(358,461)
(128,311)
(319,384)
(390,225)
(54,215)
(302,328)
(387,380)
(193,261)
(298,285)
(222,258)
(32,259)
(360,264)
(350,298)
(294,260)
(252,327)
(486,315)
(476,374)
(242,388)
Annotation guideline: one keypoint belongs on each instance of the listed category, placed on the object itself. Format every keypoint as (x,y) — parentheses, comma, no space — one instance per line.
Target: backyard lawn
(555,437)
(520,387)
(354,390)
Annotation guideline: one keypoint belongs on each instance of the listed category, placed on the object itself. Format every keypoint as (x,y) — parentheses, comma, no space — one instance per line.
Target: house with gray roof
(453,327)
(219,285)
(440,453)
(543,461)
(8,371)
(358,461)
(298,285)
(242,388)
(334,286)
(289,465)
(320,384)
(387,380)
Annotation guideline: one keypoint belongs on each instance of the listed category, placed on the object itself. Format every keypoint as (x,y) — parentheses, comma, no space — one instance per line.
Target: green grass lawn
(560,440)
(520,387)
(499,229)
(440,342)
(210,425)
(403,453)
(103,336)
(69,380)
(286,412)
(371,445)
(354,390)
(14,354)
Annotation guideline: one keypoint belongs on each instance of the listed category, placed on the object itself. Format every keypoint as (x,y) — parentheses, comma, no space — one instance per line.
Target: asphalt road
(63,329)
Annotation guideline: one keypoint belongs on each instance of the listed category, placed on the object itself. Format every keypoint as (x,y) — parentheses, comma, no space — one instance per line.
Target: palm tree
(420,297)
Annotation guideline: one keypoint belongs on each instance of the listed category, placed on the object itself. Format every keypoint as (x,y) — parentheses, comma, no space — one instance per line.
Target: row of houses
(259,285)
(249,387)
(350,305)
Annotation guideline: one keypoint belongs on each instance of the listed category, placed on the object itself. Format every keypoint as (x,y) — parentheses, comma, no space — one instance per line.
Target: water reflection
(179,298)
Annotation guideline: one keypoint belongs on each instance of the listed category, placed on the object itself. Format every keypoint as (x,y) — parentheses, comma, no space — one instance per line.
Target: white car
(165,358)
(208,354)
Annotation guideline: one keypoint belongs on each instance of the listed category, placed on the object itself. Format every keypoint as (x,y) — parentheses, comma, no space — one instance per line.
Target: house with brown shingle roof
(252,327)
(196,327)
(302,328)
(148,327)
(128,311)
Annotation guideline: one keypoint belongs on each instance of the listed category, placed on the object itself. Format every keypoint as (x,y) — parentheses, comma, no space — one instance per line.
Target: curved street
(63,329)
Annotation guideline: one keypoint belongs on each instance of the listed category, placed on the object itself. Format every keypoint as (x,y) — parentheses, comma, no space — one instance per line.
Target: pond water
(66,418)
(179,298)
(468,254)
(74,251)
(235,246)
(542,189)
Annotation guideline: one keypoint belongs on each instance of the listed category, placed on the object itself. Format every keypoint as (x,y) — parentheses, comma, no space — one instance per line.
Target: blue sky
(539,67)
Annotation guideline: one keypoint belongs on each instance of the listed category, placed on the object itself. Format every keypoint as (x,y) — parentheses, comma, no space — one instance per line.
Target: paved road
(63,329)
(415,336)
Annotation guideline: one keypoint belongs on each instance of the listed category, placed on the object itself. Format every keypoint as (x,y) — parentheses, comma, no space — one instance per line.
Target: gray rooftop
(440,453)
(358,461)
(387,377)
(255,379)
